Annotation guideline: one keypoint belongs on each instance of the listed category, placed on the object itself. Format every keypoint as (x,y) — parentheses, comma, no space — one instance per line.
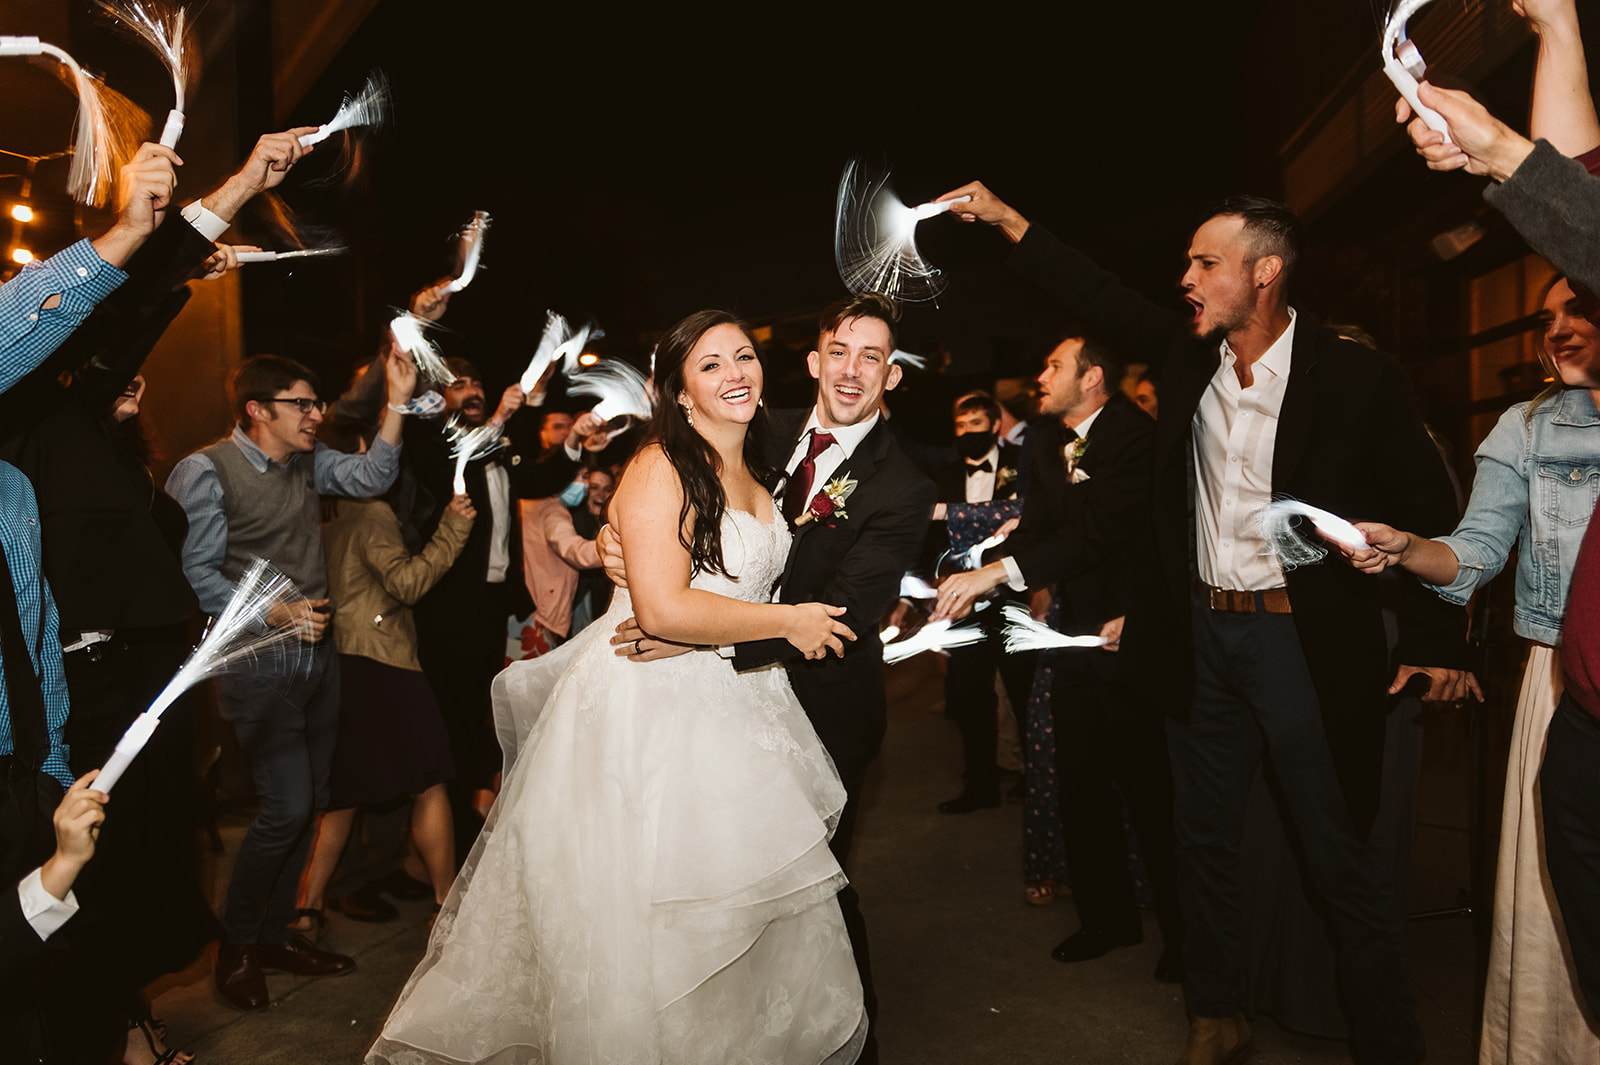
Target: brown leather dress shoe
(1218,1041)
(296,955)
(238,976)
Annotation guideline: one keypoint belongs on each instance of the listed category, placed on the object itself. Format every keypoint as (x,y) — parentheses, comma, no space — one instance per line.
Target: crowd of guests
(1112,519)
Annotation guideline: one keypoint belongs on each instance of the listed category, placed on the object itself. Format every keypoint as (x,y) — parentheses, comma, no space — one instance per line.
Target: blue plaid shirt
(19,536)
(28,331)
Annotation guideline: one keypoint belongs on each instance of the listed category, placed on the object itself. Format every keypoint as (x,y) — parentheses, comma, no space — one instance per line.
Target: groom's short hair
(862,305)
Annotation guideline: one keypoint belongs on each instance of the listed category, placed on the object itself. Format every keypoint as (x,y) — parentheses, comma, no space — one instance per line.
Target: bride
(654,884)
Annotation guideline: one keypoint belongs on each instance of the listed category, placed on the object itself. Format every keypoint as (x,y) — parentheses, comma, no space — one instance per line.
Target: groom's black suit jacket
(1348,439)
(856,562)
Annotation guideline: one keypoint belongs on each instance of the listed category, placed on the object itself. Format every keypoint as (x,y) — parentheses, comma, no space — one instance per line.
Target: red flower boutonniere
(829,503)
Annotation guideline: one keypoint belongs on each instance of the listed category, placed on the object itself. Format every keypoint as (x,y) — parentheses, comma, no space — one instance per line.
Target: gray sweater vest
(274,515)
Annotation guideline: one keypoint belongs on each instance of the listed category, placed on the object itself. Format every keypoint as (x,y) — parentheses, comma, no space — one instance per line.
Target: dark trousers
(970,698)
(1107,755)
(462,646)
(1569,787)
(1254,696)
(286,726)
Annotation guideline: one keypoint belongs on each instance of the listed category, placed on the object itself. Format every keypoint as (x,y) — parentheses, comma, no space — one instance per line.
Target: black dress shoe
(969,801)
(365,905)
(1083,945)
(238,976)
(1169,968)
(297,955)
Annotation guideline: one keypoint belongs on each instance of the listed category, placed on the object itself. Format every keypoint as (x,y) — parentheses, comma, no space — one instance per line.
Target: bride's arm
(646,512)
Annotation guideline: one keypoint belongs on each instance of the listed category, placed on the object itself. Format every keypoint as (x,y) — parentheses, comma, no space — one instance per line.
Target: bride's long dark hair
(696,461)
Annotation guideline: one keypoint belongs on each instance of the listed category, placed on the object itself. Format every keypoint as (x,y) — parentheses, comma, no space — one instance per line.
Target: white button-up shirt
(980,485)
(1235,431)
(846,438)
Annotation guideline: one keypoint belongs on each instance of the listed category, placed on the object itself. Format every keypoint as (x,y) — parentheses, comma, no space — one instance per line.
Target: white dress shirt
(1235,431)
(43,911)
(1014,578)
(499,482)
(980,485)
(846,438)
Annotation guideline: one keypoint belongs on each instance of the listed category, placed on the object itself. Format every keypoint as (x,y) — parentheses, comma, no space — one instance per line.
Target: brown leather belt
(1228,600)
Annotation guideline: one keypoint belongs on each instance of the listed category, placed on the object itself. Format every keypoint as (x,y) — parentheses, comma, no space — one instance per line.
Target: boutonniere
(1073,454)
(1004,476)
(829,503)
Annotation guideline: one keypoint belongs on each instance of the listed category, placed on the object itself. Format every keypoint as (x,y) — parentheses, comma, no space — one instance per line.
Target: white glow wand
(934,636)
(1294,548)
(90,175)
(619,387)
(559,345)
(471,249)
(1023,633)
(299,253)
(1403,63)
(164,29)
(369,107)
(410,332)
(875,239)
(239,636)
(470,444)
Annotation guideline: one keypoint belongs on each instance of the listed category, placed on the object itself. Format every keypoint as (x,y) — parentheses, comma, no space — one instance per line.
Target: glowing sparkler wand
(369,107)
(559,345)
(620,388)
(299,253)
(914,587)
(1294,548)
(410,333)
(96,141)
(905,358)
(470,444)
(1403,63)
(1023,633)
(875,239)
(239,636)
(471,249)
(164,30)
(974,555)
(934,636)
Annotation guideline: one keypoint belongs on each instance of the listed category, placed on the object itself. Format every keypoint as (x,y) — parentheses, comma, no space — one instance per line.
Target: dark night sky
(638,181)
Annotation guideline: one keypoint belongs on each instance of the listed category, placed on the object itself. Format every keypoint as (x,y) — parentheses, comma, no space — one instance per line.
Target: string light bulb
(21,256)
(22,212)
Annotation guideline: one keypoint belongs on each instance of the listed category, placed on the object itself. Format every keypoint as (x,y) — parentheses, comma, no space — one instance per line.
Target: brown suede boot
(1218,1041)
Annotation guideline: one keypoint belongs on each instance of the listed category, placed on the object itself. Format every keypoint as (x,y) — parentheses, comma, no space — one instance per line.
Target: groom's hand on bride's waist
(609,544)
(634,644)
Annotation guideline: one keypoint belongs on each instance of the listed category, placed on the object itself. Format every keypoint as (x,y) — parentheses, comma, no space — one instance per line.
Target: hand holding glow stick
(410,334)
(1294,548)
(1403,64)
(239,637)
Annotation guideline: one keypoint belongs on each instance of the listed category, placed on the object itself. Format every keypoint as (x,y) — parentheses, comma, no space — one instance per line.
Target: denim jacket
(1536,486)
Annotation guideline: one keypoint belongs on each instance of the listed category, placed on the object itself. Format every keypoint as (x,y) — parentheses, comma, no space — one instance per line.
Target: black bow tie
(978,467)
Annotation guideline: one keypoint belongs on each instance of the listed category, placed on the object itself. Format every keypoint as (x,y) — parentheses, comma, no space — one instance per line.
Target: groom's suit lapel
(858,467)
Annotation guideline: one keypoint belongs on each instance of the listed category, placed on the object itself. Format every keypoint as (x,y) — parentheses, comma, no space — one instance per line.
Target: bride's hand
(813,630)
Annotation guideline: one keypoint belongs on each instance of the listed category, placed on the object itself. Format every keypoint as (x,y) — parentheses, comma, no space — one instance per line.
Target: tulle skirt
(654,884)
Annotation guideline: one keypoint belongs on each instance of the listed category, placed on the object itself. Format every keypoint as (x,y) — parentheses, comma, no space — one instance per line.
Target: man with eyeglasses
(255,494)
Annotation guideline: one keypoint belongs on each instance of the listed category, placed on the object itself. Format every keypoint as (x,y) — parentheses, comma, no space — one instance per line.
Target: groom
(853,557)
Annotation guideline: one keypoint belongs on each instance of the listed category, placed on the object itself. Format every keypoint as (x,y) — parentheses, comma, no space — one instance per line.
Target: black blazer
(855,562)
(1349,439)
(1082,537)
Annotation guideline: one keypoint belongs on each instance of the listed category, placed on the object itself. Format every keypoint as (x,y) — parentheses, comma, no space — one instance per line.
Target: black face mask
(975,445)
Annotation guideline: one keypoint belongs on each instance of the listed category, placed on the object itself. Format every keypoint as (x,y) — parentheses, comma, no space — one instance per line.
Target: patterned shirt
(19,536)
(29,331)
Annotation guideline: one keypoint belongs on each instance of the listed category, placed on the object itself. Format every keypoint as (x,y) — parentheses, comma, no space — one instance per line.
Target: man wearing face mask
(984,474)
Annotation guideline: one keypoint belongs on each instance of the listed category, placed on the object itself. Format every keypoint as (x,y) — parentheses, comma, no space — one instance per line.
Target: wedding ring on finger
(636,648)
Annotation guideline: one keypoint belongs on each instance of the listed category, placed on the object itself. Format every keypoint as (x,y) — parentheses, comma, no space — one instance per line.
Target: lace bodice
(754,552)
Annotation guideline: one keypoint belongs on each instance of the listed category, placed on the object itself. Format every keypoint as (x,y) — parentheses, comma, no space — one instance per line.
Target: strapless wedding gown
(654,884)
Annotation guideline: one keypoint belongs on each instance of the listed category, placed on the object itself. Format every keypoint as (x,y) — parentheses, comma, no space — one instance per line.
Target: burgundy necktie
(798,494)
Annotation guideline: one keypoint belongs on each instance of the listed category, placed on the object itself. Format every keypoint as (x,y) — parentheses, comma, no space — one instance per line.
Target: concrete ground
(962,965)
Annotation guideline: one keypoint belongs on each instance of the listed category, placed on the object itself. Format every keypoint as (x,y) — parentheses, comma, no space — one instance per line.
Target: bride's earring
(688,414)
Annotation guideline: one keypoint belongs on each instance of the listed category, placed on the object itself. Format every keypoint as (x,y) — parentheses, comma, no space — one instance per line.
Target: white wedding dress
(654,884)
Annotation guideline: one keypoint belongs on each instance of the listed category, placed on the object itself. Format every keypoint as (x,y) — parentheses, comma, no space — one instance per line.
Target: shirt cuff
(576,455)
(1014,578)
(204,222)
(726,651)
(44,912)
(1469,571)
(84,269)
